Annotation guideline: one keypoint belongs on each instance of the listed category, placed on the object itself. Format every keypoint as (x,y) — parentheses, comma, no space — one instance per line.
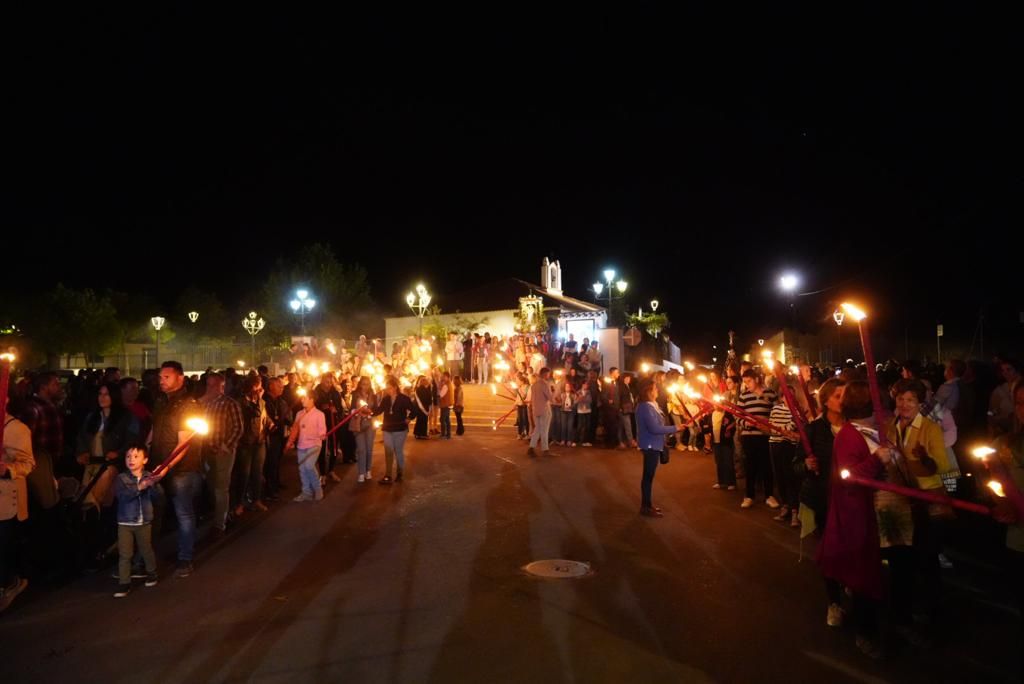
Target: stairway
(483,408)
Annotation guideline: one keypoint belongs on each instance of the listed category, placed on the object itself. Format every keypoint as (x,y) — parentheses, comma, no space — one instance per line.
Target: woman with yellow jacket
(910,533)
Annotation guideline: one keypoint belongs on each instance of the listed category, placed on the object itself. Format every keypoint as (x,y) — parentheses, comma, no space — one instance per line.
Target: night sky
(876,155)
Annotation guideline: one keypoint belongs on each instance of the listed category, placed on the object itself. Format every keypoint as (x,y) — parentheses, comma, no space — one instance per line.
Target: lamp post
(611,285)
(418,303)
(789,282)
(300,305)
(253,325)
(838,317)
(158,323)
(194,316)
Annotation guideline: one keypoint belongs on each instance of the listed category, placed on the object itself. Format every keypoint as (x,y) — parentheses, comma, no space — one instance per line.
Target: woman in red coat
(849,554)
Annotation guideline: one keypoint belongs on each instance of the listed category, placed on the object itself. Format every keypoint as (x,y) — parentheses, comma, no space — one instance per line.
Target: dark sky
(877,155)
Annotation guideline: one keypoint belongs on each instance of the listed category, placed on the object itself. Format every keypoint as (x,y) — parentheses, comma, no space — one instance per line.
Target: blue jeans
(394,448)
(626,428)
(555,434)
(364,450)
(308,474)
(523,420)
(185,487)
(651,460)
(446,421)
(568,427)
(583,427)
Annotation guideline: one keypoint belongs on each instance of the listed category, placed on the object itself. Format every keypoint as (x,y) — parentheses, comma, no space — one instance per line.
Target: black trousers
(272,466)
(757,463)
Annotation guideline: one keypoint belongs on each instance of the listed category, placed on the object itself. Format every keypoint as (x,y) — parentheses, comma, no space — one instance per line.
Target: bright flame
(558,373)
(241,363)
(376,424)
(362,403)
(406,382)
(703,378)
(440,360)
(845,474)
(301,392)
(607,380)
(494,388)
(997,488)
(982,452)
(379,379)
(855,313)
(673,388)
(689,365)
(7,357)
(498,378)
(795,370)
(325,367)
(770,363)
(716,398)
(514,385)
(197,425)
(645,367)
(331,348)
(423,365)
(300,364)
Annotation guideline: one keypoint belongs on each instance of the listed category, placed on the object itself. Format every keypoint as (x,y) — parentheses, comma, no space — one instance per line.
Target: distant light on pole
(300,305)
(609,275)
(253,325)
(419,303)
(789,282)
(654,305)
(158,323)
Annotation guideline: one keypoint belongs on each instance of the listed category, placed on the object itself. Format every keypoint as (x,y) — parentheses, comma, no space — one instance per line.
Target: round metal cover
(632,337)
(558,569)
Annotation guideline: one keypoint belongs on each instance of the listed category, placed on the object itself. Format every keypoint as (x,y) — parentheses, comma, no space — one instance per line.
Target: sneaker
(123,590)
(361,478)
(731,488)
(319,495)
(334,476)
(8,594)
(531,452)
(944,562)
(716,486)
(834,618)
(783,514)
(185,569)
(151,579)
(369,476)
(651,512)
(302,497)
(747,502)
(587,444)
(572,444)
(386,480)
(772,503)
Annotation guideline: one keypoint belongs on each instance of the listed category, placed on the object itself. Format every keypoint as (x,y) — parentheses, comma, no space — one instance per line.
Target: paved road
(422,582)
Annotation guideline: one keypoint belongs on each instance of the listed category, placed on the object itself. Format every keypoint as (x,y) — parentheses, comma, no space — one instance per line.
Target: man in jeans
(173,407)
(224,416)
(540,408)
(453,354)
(446,397)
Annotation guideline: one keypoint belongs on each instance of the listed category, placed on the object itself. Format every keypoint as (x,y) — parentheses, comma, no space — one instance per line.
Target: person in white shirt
(540,409)
(454,353)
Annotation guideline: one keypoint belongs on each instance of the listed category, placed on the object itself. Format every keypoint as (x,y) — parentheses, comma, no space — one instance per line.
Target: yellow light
(716,398)
(423,365)
(845,474)
(494,389)
(241,363)
(770,363)
(558,373)
(362,403)
(645,367)
(607,380)
(299,364)
(673,388)
(997,488)
(197,425)
(379,379)
(406,382)
(331,348)
(301,392)
(795,370)
(325,367)
(7,356)
(689,365)
(855,313)
(982,452)
(703,378)
(440,360)
(376,424)
(767,353)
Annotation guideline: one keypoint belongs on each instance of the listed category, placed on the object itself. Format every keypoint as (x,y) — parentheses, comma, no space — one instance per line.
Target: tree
(652,323)
(342,293)
(68,321)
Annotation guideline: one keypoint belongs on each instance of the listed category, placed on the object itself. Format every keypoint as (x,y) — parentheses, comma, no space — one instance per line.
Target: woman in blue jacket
(651,431)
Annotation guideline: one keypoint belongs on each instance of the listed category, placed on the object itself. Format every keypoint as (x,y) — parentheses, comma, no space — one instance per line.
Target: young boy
(308,431)
(134,494)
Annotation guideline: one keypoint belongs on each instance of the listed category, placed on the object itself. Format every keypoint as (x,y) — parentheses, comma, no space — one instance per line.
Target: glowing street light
(253,325)
(301,304)
(158,323)
(419,303)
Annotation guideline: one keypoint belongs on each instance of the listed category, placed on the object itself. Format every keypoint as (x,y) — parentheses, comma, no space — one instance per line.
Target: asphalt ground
(422,581)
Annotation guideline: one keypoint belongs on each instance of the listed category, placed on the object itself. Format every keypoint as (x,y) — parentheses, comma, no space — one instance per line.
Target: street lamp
(838,316)
(158,323)
(654,305)
(301,304)
(253,325)
(418,303)
(194,316)
(610,285)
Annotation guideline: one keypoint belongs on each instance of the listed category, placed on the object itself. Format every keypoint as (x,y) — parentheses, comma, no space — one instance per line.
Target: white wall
(500,322)
(611,346)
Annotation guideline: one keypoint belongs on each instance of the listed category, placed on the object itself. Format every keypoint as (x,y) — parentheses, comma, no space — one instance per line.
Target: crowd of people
(93,450)
(936,414)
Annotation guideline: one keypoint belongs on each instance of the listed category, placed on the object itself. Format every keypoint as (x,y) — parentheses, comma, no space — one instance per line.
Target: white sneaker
(361,478)
(835,615)
(747,502)
(944,562)
(369,476)
(772,503)
(716,486)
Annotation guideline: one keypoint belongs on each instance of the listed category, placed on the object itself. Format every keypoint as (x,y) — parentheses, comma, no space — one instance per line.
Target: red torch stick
(912,493)
(794,409)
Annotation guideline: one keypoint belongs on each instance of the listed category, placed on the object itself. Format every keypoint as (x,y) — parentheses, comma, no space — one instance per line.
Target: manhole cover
(558,569)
